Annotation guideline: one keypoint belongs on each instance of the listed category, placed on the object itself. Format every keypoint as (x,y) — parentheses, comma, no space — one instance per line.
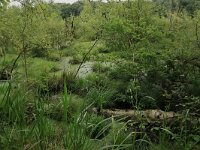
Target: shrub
(39,52)
(48,85)
(125,71)
(99,96)
(53,57)
(104,50)
(55,69)
(77,59)
(94,81)
(98,67)
(5,74)
(68,52)
(55,110)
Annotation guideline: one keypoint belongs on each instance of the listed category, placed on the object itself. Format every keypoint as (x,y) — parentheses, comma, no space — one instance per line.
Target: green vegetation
(100,75)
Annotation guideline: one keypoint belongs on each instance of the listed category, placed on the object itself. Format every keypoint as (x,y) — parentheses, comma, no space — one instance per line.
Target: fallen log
(153,122)
(154,114)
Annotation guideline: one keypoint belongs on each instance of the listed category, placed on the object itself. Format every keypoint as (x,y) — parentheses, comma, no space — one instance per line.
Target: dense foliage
(63,65)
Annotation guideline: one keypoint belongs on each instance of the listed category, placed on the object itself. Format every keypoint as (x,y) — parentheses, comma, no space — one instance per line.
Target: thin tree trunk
(25,60)
(84,58)
(197,36)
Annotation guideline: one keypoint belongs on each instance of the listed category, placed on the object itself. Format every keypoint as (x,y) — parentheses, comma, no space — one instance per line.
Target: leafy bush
(39,52)
(68,52)
(77,59)
(92,81)
(55,69)
(54,56)
(104,50)
(99,96)
(48,85)
(100,68)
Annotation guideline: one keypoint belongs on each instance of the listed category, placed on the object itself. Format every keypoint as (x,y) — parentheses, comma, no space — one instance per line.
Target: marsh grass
(27,124)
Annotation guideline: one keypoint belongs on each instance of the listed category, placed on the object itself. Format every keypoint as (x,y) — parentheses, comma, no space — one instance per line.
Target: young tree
(3,3)
(32,27)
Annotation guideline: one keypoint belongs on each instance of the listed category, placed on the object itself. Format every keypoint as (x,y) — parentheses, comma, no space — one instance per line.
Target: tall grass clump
(74,137)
